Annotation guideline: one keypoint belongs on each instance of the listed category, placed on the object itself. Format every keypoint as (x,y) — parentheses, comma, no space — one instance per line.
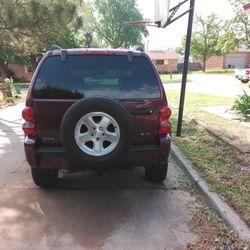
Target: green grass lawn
(219,163)
(194,101)
(222,71)
(167,78)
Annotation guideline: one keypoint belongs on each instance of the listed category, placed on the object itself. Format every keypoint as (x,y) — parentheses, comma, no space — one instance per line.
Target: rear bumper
(55,156)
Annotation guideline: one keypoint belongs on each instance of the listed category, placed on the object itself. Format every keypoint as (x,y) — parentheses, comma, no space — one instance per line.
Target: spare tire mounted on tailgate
(96,131)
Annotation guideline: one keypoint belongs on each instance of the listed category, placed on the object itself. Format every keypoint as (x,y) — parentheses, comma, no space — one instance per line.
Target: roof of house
(162,54)
(243,48)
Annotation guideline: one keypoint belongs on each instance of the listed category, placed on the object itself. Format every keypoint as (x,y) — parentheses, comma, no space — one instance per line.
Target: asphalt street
(112,210)
(221,85)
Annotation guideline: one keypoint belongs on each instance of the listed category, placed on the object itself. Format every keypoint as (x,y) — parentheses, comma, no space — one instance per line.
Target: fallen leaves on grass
(212,231)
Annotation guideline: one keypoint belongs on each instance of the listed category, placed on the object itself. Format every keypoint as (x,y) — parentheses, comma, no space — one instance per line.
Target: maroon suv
(96,109)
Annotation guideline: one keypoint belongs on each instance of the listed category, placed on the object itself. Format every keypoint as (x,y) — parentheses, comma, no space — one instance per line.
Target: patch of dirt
(243,163)
(212,232)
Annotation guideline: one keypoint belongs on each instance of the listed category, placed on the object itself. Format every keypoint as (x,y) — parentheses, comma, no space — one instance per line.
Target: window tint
(96,75)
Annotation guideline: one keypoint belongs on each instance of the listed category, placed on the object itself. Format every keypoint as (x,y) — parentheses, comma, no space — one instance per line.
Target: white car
(242,74)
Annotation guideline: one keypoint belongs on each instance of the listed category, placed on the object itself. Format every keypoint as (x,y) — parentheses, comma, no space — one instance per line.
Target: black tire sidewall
(43,177)
(95,104)
(245,81)
(157,173)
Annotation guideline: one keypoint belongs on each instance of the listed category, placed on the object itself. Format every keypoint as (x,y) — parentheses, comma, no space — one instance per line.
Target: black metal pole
(185,67)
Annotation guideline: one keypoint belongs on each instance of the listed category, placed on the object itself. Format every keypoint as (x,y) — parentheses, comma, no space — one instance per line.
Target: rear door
(132,83)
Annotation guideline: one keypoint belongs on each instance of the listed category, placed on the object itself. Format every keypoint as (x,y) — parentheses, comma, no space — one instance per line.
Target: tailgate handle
(144,111)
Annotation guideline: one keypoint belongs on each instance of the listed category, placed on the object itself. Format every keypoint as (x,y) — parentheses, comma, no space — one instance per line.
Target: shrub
(242,106)
(1,96)
(10,99)
(9,84)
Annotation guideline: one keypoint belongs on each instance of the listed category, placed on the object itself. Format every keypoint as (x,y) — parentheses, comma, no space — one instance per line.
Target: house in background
(19,72)
(237,59)
(165,60)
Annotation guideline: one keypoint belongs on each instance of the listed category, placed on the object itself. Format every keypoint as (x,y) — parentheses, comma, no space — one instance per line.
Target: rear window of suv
(96,75)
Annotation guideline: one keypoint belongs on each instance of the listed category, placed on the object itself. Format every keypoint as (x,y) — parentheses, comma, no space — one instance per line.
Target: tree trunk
(204,64)
(3,69)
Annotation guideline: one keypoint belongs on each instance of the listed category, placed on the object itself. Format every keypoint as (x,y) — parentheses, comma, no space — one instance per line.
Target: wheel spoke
(98,147)
(95,128)
(104,123)
(111,137)
(85,137)
(89,122)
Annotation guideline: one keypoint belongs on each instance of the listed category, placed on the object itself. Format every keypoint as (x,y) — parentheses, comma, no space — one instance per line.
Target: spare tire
(96,131)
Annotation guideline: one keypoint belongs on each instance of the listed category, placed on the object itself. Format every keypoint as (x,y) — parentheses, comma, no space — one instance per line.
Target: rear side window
(96,75)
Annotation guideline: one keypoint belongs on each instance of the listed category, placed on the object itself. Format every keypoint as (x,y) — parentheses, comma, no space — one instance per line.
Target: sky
(170,37)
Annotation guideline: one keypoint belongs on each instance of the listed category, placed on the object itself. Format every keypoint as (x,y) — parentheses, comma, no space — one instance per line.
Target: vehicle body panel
(148,148)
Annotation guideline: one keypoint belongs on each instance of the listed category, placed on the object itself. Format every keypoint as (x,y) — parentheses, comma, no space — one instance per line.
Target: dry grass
(212,232)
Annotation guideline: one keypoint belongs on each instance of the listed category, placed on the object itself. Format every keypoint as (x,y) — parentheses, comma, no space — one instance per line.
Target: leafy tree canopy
(240,24)
(27,25)
(111,24)
(207,39)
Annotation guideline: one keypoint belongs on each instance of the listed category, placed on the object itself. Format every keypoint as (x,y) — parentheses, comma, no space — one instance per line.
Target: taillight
(164,122)
(29,127)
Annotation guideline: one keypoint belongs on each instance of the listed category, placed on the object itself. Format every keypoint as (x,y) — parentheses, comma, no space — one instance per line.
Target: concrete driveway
(214,84)
(116,210)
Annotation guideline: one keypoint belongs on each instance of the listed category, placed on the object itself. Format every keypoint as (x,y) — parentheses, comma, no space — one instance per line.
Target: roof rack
(141,49)
(64,52)
(130,56)
(55,47)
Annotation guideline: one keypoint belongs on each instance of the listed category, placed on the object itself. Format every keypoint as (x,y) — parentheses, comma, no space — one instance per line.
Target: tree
(181,49)
(240,24)
(87,33)
(205,38)
(67,39)
(111,25)
(26,25)
(227,42)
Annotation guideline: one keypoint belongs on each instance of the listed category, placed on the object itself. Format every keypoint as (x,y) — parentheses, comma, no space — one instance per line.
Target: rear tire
(44,177)
(156,173)
(244,80)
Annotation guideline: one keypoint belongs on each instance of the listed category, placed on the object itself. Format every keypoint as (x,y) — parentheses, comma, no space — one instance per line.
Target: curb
(213,200)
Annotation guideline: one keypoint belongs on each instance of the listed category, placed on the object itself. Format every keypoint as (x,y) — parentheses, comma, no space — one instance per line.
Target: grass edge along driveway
(221,165)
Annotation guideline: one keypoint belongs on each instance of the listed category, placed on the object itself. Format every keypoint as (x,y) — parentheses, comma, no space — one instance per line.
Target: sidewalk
(233,131)
(225,112)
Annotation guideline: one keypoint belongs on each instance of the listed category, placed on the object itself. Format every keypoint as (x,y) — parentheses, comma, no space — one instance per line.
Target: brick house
(20,72)
(165,60)
(237,59)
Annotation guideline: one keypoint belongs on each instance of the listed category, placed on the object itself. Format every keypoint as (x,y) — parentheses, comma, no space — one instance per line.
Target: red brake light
(165,112)
(28,114)
(164,123)
(29,124)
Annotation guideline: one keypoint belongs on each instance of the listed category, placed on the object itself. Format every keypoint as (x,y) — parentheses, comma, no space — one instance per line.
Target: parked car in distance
(96,109)
(242,74)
